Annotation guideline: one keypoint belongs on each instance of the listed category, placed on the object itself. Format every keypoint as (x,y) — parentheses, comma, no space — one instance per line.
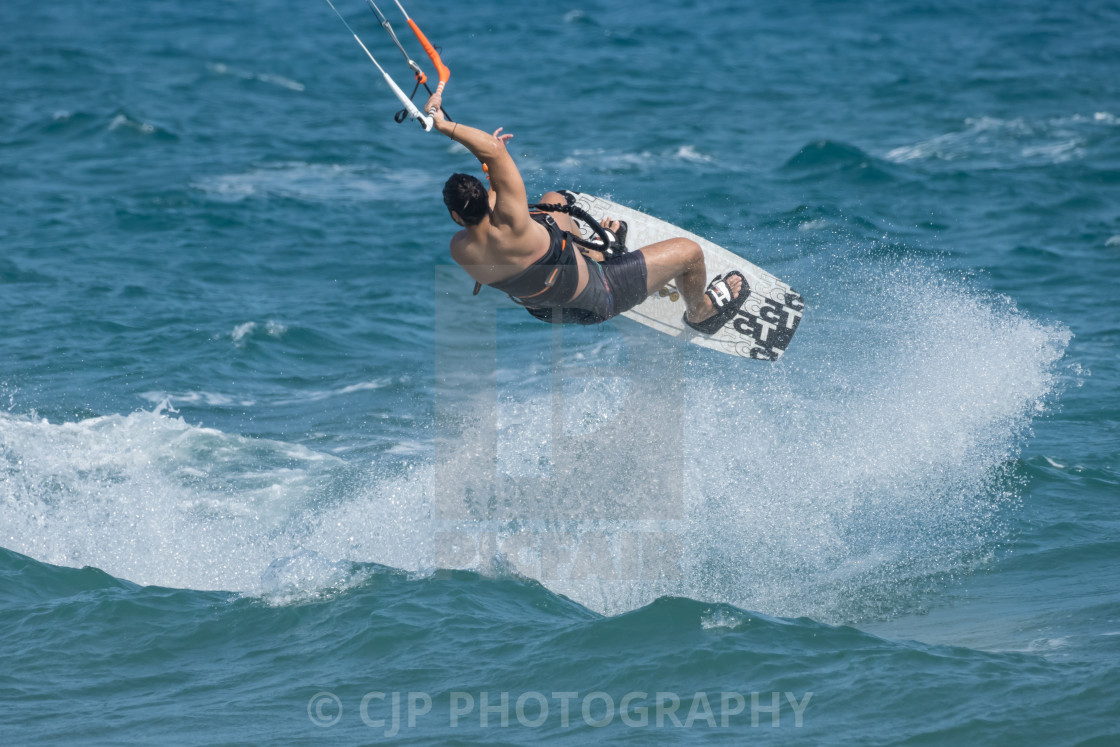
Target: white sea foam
(365,386)
(723,617)
(307,575)
(122,122)
(220,68)
(150,498)
(317,182)
(319,395)
(209,399)
(1057,152)
(625,161)
(242,333)
(830,490)
(813,225)
(689,153)
(222,399)
(990,142)
(1099,118)
(835,484)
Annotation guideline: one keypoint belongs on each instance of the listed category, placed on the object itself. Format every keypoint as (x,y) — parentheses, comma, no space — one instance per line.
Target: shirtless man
(531,255)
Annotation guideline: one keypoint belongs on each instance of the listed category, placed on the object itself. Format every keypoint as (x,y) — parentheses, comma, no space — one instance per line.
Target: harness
(552,279)
(612,246)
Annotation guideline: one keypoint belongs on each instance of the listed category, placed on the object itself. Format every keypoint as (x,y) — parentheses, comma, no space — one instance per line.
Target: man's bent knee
(562,219)
(691,253)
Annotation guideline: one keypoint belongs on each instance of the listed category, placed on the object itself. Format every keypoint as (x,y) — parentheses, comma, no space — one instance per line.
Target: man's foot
(616,230)
(611,225)
(722,300)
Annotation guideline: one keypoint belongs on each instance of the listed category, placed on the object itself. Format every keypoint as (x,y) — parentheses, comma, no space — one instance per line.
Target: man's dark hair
(465,195)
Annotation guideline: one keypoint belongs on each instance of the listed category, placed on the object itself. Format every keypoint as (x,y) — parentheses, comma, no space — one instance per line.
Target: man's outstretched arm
(509,188)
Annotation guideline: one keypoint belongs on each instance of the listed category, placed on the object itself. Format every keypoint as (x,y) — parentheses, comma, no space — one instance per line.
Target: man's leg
(565,221)
(682,260)
(679,260)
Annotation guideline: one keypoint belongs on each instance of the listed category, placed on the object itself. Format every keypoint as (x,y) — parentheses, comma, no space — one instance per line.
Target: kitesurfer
(533,255)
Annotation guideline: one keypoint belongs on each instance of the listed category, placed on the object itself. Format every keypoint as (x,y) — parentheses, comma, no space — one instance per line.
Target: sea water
(270,474)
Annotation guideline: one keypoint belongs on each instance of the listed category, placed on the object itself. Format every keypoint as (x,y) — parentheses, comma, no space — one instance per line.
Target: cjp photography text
(394,712)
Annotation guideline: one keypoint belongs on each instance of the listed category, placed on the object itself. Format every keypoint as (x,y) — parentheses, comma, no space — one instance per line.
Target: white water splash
(839,484)
(835,484)
(153,499)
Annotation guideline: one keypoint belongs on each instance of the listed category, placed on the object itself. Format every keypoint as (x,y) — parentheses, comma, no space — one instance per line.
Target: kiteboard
(763,327)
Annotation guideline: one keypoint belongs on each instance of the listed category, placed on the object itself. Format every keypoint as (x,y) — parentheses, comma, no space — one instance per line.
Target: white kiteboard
(763,327)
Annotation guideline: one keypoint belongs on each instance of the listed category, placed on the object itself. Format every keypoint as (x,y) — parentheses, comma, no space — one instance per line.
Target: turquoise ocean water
(270,474)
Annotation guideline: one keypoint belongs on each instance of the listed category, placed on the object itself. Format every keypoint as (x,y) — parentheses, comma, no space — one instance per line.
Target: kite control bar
(410,109)
(425,121)
(433,55)
(421,78)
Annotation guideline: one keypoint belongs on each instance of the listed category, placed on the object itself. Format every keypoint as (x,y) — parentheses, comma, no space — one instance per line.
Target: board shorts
(613,287)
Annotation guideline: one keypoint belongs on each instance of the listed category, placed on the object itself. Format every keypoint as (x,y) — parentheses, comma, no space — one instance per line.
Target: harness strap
(551,278)
(609,247)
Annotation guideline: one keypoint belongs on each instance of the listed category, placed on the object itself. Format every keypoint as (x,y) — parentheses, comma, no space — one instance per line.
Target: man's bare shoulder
(501,249)
(459,244)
